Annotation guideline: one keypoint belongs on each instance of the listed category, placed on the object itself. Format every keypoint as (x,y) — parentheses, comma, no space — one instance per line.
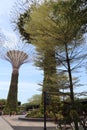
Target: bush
(35,113)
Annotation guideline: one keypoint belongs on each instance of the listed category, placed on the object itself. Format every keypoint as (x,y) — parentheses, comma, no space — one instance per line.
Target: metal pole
(44,110)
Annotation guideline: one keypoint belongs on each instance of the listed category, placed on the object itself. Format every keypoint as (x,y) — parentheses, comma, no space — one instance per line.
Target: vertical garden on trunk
(17,56)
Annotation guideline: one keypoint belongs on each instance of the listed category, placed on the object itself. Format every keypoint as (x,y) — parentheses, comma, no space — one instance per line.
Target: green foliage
(36,113)
(6,111)
(50,25)
(3,101)
(35,100)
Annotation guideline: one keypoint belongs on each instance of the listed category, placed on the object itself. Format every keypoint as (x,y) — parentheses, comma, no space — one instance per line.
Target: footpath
(13,123)
(4,125)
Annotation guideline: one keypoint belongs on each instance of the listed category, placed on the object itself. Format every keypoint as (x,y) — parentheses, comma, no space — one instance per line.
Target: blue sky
(29,75)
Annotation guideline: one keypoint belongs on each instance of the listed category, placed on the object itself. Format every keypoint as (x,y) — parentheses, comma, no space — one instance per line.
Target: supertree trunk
(13,90)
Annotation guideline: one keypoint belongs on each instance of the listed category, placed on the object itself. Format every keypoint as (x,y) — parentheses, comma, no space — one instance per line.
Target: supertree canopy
(17,55)
(16,58)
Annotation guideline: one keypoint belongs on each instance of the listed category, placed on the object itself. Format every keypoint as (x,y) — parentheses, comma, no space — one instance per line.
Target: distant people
(2,112)
(10,113)
(14,113)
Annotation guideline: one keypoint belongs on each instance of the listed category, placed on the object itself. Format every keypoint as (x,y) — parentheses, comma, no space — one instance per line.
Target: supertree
(16,54)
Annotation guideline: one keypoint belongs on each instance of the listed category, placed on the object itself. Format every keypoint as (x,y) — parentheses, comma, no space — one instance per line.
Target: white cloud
(11,38)
(6,5)
(4,85)
(25,86)
(27,90)
(22,86)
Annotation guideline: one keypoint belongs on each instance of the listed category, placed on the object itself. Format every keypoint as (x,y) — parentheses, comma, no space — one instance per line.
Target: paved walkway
(4,125)
(13,123)
(7,121)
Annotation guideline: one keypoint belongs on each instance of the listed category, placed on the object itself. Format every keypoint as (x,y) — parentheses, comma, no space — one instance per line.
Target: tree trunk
(71,84)
(69,74)
(50,75)
(76,125)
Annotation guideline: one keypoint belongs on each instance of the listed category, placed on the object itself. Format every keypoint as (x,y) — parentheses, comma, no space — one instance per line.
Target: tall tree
(56,23)
(47,49)
(16,56)
(51,24)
